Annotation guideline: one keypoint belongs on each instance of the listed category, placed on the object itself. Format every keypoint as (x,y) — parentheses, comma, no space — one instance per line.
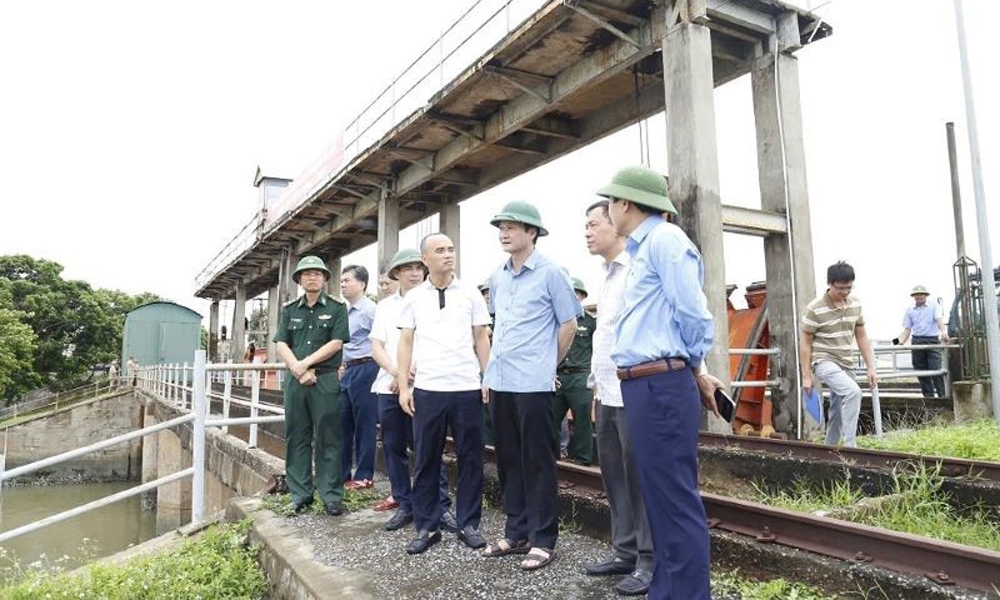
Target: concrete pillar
(694,171)
(789,258)
(388,231)
(173,500)
(273,314)
(150,450)
(239,344)
(450,226)
(287,288)
(333,286)
(213,331)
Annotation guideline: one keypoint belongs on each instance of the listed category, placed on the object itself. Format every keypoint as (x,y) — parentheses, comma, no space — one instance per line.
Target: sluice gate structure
(571,72)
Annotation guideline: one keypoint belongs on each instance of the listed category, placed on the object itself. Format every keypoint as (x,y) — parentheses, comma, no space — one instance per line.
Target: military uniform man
(572,393)
(311,334)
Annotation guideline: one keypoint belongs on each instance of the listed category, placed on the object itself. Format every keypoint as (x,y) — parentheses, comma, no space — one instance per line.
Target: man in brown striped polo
(829,327)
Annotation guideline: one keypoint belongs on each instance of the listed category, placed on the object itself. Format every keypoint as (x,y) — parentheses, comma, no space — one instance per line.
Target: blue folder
(811,402)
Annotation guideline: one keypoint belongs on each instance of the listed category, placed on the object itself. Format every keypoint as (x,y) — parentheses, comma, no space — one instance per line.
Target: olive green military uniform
(313,410)
(573,394)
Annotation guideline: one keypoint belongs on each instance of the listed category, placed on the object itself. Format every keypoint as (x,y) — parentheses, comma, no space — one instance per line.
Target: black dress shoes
(334,510)
(611,566)
(400,519)
(471,537)
(423,541)
(635,584)
(448,522)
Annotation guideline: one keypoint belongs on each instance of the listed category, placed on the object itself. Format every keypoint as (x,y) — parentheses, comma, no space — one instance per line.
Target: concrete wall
(71,428)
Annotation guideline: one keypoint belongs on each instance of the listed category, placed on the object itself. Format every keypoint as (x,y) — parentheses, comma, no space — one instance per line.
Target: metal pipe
(877,411)
(227,394)
(198,440)
(755,384)
(754,351)
(244,420)
(956,189)
(79,510)
(982,220)
(125,437)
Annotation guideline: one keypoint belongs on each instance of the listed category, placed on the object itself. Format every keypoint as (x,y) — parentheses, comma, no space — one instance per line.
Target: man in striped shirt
(829,327)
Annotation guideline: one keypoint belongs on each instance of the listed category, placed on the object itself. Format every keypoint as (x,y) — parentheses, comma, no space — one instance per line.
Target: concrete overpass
(572,72)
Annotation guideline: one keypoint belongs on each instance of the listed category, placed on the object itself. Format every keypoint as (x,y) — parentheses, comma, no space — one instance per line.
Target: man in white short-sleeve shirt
(444,328)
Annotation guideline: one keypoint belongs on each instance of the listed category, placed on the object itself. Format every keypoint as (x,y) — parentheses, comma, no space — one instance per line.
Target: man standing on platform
(536,312)
(407,271)
(310,336)
(925,322)
(663,333)
(572,393)
(358,405)
(630,533)
(445,331)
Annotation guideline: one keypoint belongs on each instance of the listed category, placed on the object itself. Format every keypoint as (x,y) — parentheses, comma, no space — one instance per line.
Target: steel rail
(880,459)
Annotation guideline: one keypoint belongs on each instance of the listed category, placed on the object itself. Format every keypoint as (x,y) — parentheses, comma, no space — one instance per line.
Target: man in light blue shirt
(358,405)
(925,321)
(664,331)
(536,310)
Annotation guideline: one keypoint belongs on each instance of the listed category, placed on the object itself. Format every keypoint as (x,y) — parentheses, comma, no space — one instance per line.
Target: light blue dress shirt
(664,311)
(360,317)
(529,307)
(922,320)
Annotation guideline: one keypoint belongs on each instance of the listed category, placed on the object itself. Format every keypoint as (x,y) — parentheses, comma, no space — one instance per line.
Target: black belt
(358,361)
(663,365)
(574,370)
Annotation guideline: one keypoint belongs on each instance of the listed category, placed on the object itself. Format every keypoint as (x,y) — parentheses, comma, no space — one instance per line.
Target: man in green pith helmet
(572,393)
(311,334)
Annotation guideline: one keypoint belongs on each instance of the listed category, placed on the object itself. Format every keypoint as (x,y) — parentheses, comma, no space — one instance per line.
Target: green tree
(17,348)
(74,325)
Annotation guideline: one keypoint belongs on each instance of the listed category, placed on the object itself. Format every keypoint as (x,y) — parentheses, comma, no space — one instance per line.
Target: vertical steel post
(185,397)
(956,190)
(198,441)
(254,401)
(877,411)
(227,394)
(985,252)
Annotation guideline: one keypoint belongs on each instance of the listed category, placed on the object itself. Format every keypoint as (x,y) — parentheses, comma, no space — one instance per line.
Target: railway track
(879,459)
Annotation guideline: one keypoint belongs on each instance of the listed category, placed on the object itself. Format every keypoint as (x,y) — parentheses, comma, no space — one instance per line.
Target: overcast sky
(130,133)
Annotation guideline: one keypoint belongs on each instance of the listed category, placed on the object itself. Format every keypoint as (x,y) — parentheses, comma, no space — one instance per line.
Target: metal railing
(170,383)
(59,399)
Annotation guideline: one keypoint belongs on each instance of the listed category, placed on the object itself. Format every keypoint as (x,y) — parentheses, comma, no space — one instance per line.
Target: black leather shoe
(334,510)
(448,522)
(471,537)
(611,566)
(635,584)
(399,519)
(423,541)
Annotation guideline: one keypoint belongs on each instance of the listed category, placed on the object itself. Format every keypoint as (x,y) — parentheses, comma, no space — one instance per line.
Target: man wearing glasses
(829,327)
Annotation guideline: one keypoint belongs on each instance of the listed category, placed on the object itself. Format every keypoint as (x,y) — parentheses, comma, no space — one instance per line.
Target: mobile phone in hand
(727,408)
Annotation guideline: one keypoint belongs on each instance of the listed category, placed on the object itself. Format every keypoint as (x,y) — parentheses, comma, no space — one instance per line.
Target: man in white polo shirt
(444,327)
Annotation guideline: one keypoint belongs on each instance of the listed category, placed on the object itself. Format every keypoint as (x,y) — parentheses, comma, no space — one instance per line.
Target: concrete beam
(693,162)
(749,221)
(789,258)
(239,343)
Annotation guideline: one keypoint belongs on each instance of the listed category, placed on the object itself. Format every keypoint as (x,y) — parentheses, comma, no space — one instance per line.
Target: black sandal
(537,558)
(506,547)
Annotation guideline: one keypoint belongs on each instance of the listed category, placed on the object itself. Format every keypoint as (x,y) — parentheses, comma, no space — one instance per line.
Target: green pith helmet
(641,185)
(919,289)
(579,286)
(405,256)
(310,262)
(520,211)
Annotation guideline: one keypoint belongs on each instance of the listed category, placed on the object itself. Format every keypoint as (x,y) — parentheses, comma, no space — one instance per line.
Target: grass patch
(922,508)
(978,440)
(219,563)
(354,500)
(731,584)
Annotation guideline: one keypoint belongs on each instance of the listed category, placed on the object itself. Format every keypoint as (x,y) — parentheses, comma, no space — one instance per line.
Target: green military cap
(520,211)
(405,256)
(641,185)
(579,286)
(310,262)
(919,289)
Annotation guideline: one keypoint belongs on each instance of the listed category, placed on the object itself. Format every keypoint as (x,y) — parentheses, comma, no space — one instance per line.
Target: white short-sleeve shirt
(442,321)
(385,328)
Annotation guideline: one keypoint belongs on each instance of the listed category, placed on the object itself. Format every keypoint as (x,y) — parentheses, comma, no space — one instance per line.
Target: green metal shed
(160,332)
